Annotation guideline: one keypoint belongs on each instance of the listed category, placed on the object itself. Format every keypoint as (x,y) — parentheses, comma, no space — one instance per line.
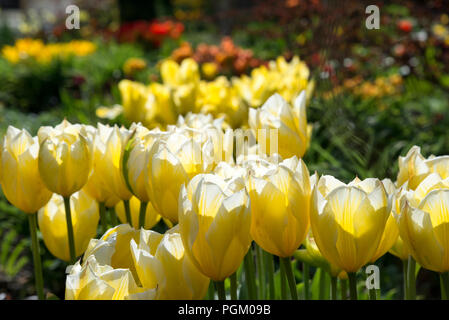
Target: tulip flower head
(280,197)
(214,223)
(20,179)
(53,224)
(348,220)
(151,215)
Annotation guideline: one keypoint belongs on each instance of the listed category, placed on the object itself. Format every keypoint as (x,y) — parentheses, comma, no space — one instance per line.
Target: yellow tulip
(390,234)
(214,223)
(20,179)
(162,262)
(98,186)
(135,160)
(53,225)
(151,216)
(424,223)
(135,98)
(280,197)
(171,163)
(414,168)
(64,159)
(294,133)
(347,221)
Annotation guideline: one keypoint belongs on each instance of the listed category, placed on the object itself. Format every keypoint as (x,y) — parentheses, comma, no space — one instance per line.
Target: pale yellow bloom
(20,178)
(280,197)
(347,221)
(53,224)
(214,222)
(151,216)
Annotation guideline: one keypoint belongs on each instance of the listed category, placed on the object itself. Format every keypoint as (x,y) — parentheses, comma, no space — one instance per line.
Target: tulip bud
(64,158)
(162,262)
(214,223)
(348,220)
(20,179)
(53,224)
(293,131)
(151,215)
(280,200)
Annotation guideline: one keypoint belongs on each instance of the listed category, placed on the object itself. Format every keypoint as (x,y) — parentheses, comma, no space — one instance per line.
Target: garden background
(377,92)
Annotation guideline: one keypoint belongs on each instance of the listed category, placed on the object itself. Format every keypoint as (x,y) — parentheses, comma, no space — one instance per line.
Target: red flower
(405,25)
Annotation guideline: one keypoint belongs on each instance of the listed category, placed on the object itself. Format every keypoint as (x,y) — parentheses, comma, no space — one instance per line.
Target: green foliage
(12,258)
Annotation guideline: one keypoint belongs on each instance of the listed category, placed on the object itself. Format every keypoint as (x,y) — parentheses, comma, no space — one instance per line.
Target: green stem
(36,257)
(211,291)
(104,223)
(233,279)
(411,279)
(333,288)
(128,212)
(404,278)
(444,282)
(372,294)
(283,280)
(219,285)
(113,215)
(249,275)
(306,277)
(344,289)
(322,283)
(290,277)
(71,238)
(270,274)
(260,272)
(142,213)
(352,276)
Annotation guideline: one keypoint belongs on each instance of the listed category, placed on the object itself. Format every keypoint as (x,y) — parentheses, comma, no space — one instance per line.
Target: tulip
(280,205)
(23,186)
(423,225)
(348,222)
(135,98)
(214,223)
(171,163)
(107,270)
(53,225)
(293,131)
(414,168)
(135,162)
(65,161)
(162,262)
(151,215)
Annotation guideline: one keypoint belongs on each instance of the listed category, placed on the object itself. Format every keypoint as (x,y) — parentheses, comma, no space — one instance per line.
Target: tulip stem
(270,274)
(444,281)
(411,279)
(322,283)
(113,216)
(142,213)
(290,277)
(283,281)
(333,288)
(343,289)
(128,212)
(220,286)
(306,278)
(404,277)
(68,217)
(211,291)
(352,276)
(233,279)
(260,272)
(249,275)
(104,223)
(36,256)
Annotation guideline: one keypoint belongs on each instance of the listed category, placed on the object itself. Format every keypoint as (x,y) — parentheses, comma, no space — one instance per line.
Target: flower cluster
(183,91)
(153,32)
(227,58)
(35,49)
